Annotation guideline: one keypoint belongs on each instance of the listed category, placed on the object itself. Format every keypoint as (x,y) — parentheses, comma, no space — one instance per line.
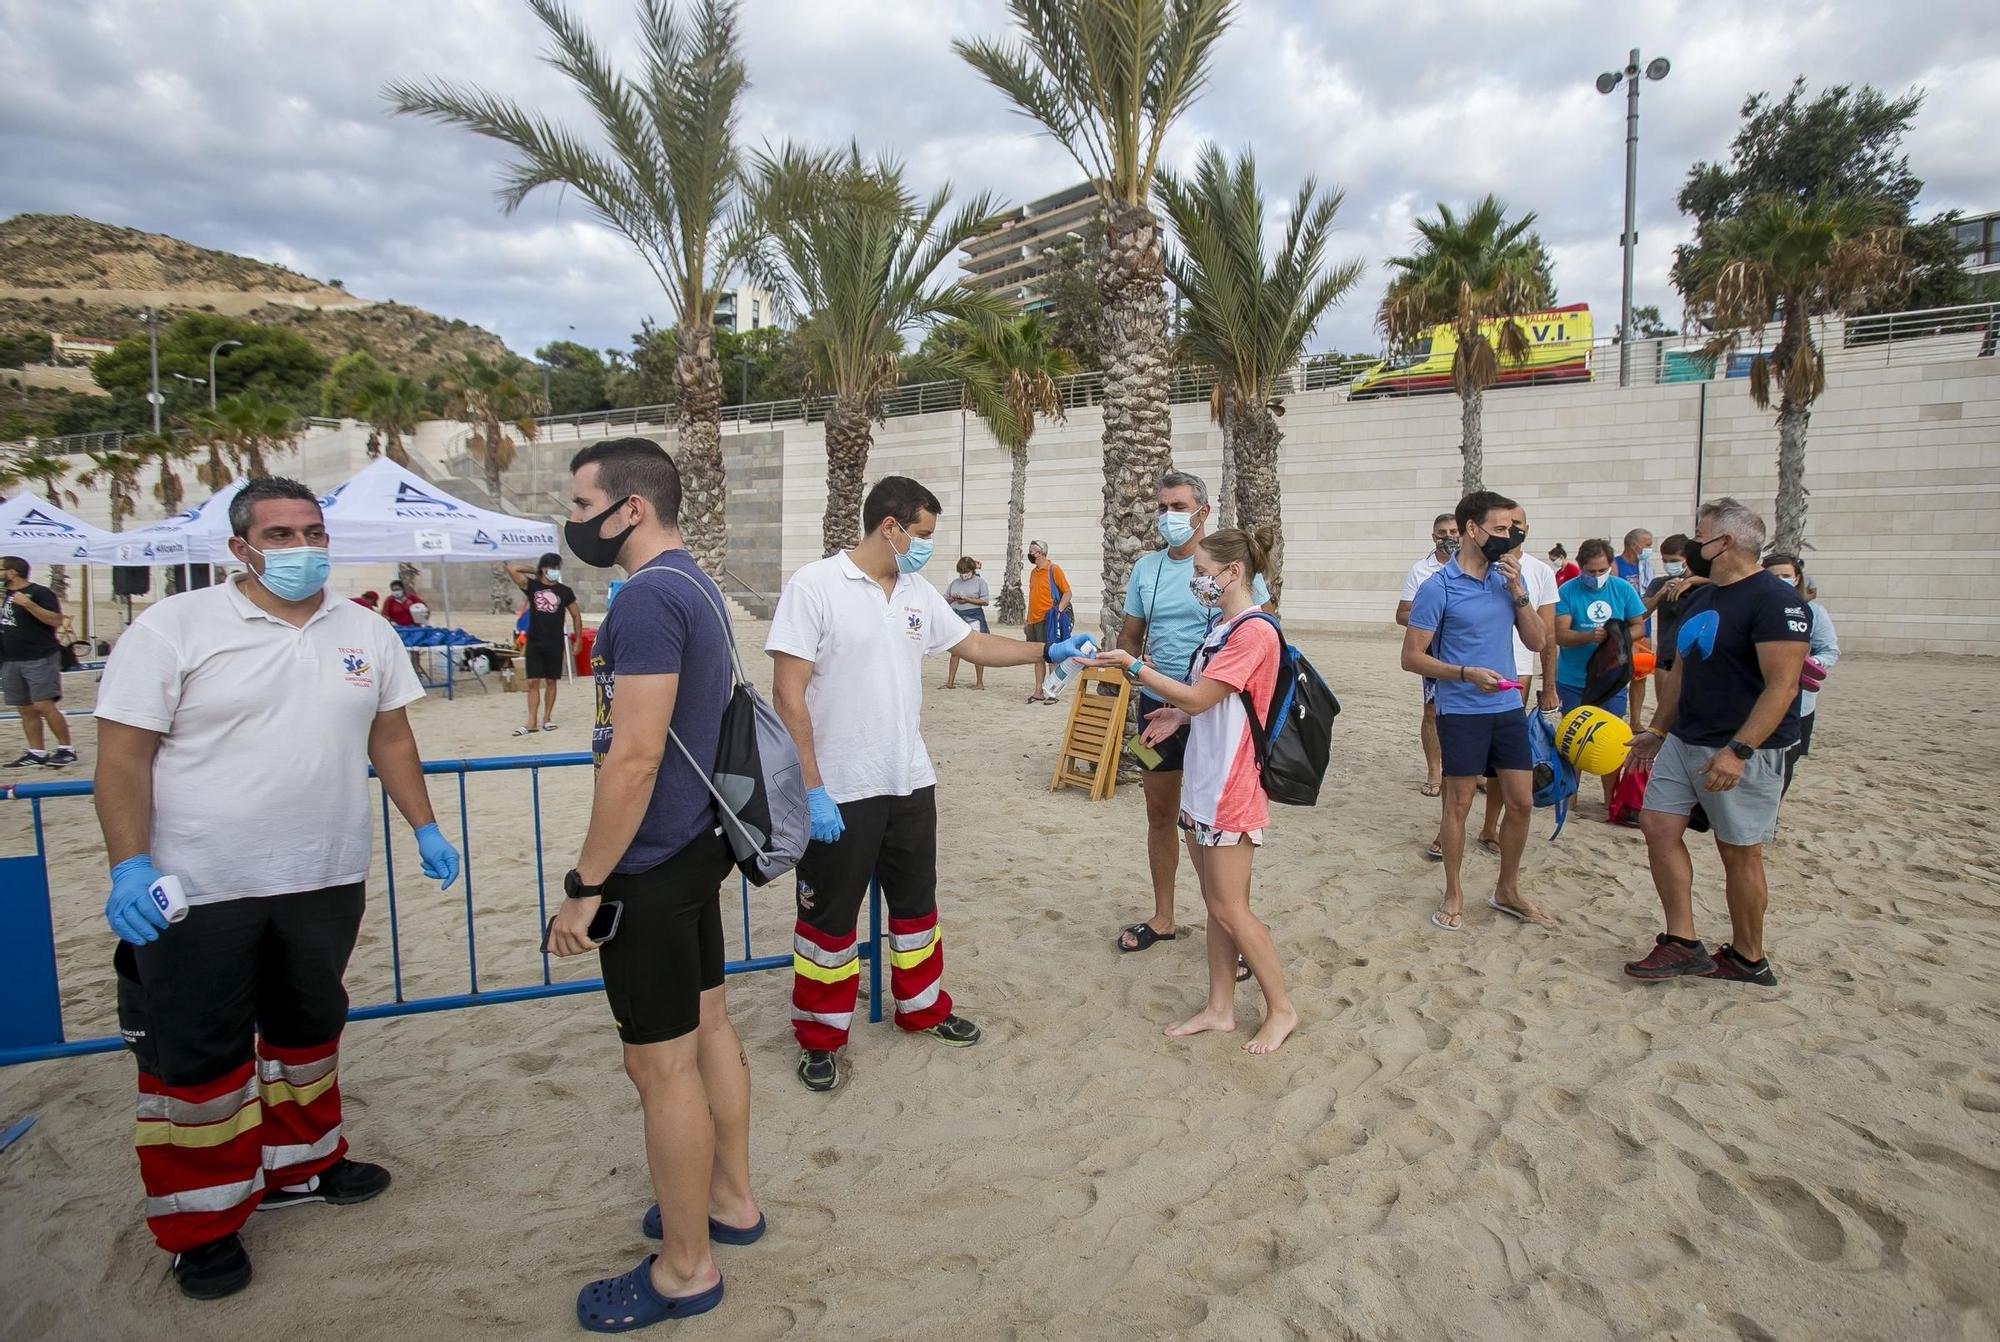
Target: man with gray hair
(1719,747)
(1165,625)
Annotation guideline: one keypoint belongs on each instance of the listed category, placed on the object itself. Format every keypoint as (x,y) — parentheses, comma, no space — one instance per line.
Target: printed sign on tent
(433,543)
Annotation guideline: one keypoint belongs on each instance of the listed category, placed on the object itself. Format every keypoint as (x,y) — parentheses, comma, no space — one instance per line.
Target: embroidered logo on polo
(915,619)
(354,663)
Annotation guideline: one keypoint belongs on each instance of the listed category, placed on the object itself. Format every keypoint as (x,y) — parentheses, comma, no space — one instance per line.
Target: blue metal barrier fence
(30,998)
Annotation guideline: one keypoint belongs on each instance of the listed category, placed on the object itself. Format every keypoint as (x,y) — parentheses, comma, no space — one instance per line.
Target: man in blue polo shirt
(1461,636)
(1165,625)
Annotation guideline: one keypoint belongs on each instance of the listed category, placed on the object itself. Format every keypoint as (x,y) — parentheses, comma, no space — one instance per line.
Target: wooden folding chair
(1094,734)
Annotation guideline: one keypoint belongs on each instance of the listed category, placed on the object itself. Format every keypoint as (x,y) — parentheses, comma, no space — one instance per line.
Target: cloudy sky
(258,127)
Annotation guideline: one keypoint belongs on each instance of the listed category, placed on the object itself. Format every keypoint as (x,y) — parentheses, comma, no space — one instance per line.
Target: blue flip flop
(717,1231)
(620,1304)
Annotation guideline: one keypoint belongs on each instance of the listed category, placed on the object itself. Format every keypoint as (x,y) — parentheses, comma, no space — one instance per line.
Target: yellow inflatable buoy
(1595,741)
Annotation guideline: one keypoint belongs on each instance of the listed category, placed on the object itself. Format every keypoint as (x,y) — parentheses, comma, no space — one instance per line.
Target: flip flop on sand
(1491,845)
(1433,789)
(1519,915)
(1435,852)
(1242,969)
(1142,935)
(1438,921)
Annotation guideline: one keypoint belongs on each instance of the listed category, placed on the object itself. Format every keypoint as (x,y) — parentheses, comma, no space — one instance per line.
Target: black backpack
(758,784)
(1292,748)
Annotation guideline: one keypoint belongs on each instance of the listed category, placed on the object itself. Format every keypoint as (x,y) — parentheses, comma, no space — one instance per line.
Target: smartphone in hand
(603,926)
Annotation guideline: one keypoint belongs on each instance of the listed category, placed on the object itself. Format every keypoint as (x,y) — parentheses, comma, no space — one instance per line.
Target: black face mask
(587,542)
(1699,561)
(1495,546)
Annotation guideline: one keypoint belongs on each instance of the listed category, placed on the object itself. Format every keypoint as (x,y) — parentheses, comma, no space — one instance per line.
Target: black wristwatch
(574,888)
(1741,751)
(1520,601)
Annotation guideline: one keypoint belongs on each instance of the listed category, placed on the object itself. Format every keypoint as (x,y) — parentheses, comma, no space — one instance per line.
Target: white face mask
(553,575)
(1675,568)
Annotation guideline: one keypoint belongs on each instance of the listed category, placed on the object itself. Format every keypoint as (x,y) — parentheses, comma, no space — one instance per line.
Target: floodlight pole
(153,360)
(1629,239)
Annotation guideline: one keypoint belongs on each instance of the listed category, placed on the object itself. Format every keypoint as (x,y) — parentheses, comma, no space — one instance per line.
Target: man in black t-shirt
(549,601)
(1719,745)
(31,665)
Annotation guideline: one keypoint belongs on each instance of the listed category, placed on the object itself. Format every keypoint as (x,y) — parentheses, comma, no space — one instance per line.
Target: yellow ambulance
(1558,351)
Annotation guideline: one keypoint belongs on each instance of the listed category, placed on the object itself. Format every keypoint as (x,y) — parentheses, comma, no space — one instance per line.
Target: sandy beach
(1492,1134)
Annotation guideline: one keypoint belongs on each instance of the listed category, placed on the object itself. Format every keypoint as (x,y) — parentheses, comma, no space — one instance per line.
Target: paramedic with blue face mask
(1165,626)
(236,726)
(848,641)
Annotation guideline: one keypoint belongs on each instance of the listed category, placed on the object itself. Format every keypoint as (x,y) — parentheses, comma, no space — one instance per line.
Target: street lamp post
(212,351)
(1629,239)
(153,397)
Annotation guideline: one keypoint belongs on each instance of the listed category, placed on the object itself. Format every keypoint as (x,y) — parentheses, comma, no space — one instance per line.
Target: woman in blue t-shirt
(1584,607)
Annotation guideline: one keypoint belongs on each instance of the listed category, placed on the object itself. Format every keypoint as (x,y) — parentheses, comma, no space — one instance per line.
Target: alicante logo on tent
(480,538)
(36,520)
(413,502)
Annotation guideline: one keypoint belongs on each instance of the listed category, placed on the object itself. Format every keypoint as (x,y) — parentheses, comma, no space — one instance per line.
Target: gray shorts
(34,682)
(1744,816)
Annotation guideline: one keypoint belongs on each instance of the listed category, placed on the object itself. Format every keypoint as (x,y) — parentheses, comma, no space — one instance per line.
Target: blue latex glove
(440,858)
(1076,645)
(131,911)
(827,826)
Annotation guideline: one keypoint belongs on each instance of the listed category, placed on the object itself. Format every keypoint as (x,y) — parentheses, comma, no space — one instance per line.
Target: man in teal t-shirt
(1165,625)
(1584,607)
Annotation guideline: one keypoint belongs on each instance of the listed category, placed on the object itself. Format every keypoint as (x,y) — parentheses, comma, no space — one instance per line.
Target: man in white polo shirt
(848,638)
(236,725)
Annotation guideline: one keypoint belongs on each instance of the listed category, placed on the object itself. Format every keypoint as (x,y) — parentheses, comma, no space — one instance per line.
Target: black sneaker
(818,1069)
(1671,959)
(340,1184)
(213,1270)
(30,760)
(1729,965)
(956,1031)
(62,756)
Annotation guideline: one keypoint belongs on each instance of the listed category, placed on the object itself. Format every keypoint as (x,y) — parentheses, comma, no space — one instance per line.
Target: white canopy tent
(197,536)
(389,515)
(41,533)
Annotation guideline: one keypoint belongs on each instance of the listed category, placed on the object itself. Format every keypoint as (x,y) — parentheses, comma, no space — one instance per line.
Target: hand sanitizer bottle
(1059,674)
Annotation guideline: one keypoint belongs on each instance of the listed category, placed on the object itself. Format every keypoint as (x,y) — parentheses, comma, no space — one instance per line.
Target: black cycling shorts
(668,948)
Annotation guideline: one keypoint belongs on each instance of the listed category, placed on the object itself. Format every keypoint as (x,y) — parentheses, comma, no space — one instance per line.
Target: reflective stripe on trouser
(200,1156)
(207,1152)
(916,972)
(826,979)
(301,1093)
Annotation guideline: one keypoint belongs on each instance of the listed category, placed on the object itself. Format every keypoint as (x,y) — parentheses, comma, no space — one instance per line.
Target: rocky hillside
(62,273)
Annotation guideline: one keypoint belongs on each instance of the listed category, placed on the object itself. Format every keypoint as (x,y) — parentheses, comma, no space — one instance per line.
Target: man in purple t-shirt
(661,662)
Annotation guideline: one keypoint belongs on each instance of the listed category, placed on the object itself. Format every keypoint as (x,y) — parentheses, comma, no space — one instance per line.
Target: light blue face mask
(294,574)
(1176,529)
(1595,581)
(918,555)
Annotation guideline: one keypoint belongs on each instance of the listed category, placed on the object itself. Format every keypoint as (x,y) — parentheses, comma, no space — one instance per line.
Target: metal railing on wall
(31,1016)
(1961,331)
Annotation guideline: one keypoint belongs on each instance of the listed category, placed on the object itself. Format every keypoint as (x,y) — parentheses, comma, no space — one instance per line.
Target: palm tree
(391,404)
(1019,368)
(1246,319)
(860,253)
(1785,260)
(116,471)
(669,182)
(1469,274)
(1107,79)
(241,435)
(166,452)
(490,396)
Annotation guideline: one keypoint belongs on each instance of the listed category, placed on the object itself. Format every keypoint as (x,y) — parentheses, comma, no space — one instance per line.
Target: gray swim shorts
(1744,816)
